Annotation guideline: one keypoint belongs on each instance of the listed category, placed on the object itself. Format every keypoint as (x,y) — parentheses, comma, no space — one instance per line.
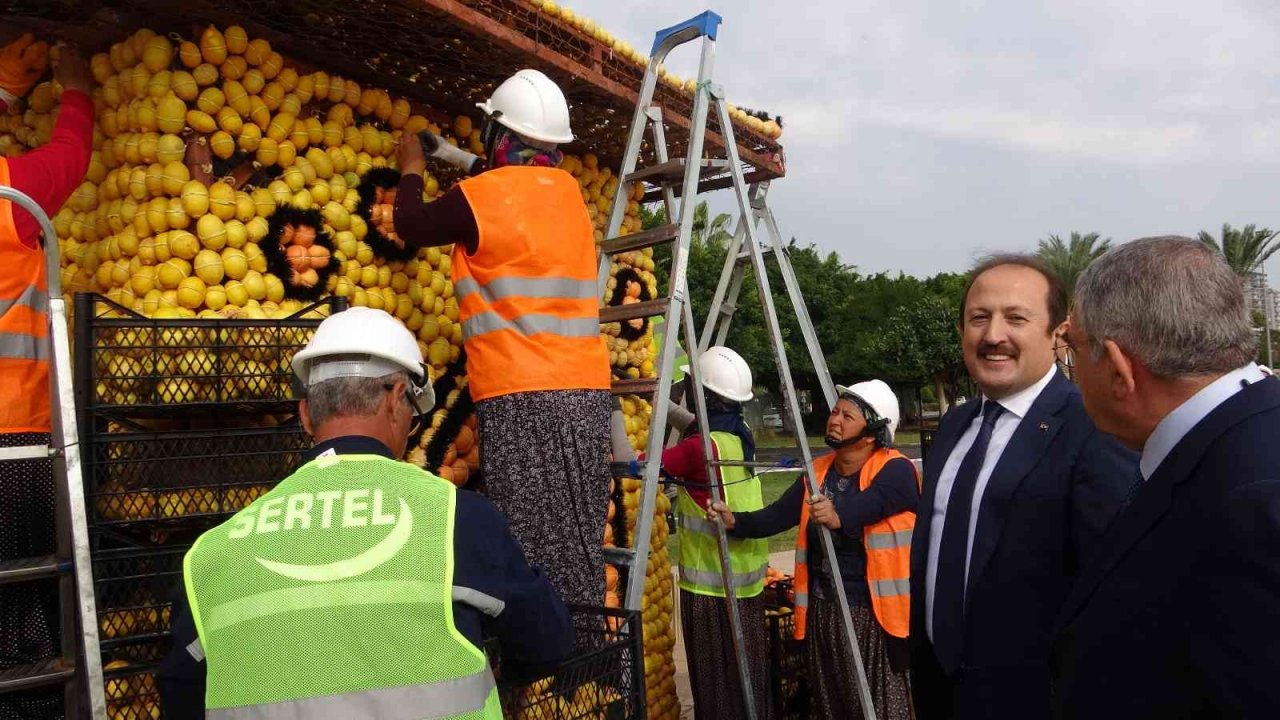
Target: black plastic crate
(603,681)
(131,691)
(134,589)
(788,690)
(129,364)
(193,478)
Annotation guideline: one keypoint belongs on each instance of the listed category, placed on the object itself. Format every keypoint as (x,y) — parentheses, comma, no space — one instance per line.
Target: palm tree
(709,230)
(1069,259)
(1245,249)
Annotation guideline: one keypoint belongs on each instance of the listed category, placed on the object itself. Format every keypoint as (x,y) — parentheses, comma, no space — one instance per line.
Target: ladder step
(41,674)
(640,240)
(634,386)
(24,452)
(619,556)
(643,309)
(719,183)
(22,569)
(629,469)
(673,170)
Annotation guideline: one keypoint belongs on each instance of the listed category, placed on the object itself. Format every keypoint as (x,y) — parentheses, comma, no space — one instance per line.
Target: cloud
(954,126)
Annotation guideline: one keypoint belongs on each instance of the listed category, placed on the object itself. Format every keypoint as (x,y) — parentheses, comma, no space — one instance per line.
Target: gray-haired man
(1176,616)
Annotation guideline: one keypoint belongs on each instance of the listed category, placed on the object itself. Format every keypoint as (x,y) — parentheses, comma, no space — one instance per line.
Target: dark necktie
(949,585)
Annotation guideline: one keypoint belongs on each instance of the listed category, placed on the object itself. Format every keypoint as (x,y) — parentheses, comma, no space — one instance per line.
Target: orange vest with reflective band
(888,545)
(24,325)
(527,299)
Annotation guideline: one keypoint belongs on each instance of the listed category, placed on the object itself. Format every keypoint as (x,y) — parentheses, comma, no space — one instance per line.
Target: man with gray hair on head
(1176,615)
(359,587)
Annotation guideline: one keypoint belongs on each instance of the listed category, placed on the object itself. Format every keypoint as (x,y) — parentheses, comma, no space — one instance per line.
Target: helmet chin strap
(869,431)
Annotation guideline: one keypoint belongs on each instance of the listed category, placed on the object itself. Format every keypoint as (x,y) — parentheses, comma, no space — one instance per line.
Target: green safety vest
(699,547)
(655,349)
(330,596)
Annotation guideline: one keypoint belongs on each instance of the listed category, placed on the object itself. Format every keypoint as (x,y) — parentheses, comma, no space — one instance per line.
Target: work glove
(22,62)
(437,147)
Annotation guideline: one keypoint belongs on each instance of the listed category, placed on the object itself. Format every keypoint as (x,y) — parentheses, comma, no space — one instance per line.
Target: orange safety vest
(888,545)
(24,327)
(527,299)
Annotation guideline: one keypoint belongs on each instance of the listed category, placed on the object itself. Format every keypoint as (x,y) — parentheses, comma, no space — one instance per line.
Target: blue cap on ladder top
(704,24)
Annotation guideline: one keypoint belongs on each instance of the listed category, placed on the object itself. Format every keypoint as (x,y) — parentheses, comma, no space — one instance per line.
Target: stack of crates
(788,690)
(182,423)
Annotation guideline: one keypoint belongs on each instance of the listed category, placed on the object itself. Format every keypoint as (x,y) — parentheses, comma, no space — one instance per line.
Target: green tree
(1245,249)
(1069,259)
(921,342)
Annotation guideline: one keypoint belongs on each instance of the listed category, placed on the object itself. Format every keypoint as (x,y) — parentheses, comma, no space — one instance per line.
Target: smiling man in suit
(1176,615)
(1018,487)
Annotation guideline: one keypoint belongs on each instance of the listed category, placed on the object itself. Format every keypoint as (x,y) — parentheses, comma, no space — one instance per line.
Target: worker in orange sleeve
(48,174)
(524,273)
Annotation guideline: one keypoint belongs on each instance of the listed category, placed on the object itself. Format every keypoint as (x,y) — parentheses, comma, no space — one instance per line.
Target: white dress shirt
(1016,406)
(1178,423)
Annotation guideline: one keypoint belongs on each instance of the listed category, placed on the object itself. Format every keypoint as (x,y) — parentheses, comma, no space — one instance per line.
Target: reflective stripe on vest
(888,551)
(332,596)
(527,297)
(442,699)
(24,327)
(713,579)
(888,540)
(700,570)
(20,346)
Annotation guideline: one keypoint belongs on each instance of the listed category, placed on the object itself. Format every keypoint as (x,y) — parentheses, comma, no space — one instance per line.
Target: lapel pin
(1044,427)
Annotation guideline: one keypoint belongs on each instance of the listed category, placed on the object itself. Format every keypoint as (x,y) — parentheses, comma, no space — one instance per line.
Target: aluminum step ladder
(689,176)
(79,667)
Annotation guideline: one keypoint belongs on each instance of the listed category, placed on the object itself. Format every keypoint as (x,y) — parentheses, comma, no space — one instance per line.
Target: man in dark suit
(1018,487)
(1178,613)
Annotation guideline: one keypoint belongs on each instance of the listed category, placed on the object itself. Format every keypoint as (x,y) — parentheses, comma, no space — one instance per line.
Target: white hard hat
(877,395)
(364,342)
(724,373)
(531,104)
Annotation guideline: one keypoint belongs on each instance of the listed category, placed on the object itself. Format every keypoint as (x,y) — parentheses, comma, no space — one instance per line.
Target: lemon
(234,263)
(195,198)
(237,39)
(237,295)
(172,272)
(183,244)
(255,285)
(191,293)
(201,121)
(215,297)
(169,148)
(208,266)
(237,233)
(213,46)
(222,200)
(175,177)
(212,232)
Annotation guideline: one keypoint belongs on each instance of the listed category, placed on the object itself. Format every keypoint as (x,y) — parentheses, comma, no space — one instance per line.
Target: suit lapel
(1034,435)
(949,432)
(1155,497)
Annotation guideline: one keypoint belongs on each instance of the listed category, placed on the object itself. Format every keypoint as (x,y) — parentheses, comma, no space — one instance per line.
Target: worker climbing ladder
(690,175)
(79,666)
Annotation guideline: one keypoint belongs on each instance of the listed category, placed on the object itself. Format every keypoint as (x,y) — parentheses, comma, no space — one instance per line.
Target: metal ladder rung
(705,186)
(24,452)
(34,675)
(637,241)
(633,311)
(634,386)
(33,568)
(672,171)
(619,556)
(762,466)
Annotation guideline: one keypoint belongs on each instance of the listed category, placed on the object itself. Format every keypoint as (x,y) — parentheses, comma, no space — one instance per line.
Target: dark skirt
(832,676)
(713,668)
(28,611)
(544,459)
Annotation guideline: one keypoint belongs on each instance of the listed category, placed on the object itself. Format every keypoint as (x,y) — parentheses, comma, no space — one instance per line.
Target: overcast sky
(921,133)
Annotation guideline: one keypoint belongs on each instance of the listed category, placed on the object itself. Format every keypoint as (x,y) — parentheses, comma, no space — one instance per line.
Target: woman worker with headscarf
(524,272)
(868,497)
